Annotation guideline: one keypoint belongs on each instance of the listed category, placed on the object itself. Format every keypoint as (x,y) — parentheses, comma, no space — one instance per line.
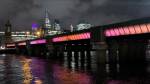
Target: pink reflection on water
(129,81)
(38,69)
(65,76)
(33,70)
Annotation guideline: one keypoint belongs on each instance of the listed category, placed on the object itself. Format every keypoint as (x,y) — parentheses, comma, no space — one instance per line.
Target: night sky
(23,13)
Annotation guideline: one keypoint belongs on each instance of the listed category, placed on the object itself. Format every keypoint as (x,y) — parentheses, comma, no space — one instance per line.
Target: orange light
(72,37)
(126,30)
(131,29)
(121,31)
(137,29)
(144,28)
(27,33)
(148,27)
(22,44)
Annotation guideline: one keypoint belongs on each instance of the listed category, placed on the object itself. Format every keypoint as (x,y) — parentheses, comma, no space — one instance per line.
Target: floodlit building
(82,26)
(50,27)
(71,28)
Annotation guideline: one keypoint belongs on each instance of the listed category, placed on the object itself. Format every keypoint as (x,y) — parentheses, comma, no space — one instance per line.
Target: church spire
(47,23)
(8,38)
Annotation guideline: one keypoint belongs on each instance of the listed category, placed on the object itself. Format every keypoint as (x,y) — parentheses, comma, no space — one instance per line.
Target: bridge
(124,42)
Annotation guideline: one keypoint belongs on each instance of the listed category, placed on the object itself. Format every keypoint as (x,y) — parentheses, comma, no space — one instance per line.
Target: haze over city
(22,13)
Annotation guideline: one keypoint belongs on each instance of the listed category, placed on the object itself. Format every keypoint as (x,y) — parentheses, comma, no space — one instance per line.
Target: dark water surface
(15,69)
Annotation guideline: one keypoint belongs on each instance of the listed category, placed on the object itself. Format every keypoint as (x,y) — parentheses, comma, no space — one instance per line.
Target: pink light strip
(22,44)
(128,30)
(10,45)
(121,31)
(72,37)
(117,31)
(107,33)
(41,41)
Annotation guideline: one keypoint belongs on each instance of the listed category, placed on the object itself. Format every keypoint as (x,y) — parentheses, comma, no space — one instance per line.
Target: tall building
(57,26)
(47,23)
(47,26)
(8,38)
(71,28)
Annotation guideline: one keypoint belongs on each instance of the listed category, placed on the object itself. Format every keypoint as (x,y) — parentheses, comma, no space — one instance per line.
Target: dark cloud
(97,12)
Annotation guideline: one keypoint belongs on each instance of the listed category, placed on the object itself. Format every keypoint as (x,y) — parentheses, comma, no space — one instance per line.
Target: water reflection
(65,76)
(30,71)
(77,67)
(26,70)
(78,60)
(40,71)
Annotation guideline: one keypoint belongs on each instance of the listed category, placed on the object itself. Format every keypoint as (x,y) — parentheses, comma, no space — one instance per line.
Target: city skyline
(97,12)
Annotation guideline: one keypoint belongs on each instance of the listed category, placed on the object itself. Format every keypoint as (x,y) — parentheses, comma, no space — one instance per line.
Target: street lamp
(38,33)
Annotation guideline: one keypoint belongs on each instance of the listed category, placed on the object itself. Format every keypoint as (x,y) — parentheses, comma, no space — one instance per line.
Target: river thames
(20,69)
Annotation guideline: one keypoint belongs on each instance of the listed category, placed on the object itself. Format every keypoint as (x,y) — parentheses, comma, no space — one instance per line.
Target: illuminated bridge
(125,42)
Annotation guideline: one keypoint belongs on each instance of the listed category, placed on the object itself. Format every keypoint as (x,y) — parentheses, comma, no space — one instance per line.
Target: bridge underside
(39,50)
(128,49)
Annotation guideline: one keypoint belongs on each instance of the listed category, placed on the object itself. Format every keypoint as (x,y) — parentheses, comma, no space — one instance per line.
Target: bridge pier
(28,46)
(132,55)
(100,49)
(50,53)
(113,57)
(69,56)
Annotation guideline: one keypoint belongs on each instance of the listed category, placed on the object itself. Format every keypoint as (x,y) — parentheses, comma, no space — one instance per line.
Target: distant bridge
(18,36)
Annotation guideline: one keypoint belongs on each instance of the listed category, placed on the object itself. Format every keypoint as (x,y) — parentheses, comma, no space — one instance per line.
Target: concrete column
(76,57)
(140,52)
(58,51)
(28,46)
(61,51)
(99,46)
(82,61)
(17,49)
(100,54)
(113,57)
(88,59)
(69,56)
(55,51)
(50,53)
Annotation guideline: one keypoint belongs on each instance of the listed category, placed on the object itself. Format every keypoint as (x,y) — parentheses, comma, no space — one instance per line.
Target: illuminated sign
(72,37)
(22,44)
(128,30)
(41,41)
